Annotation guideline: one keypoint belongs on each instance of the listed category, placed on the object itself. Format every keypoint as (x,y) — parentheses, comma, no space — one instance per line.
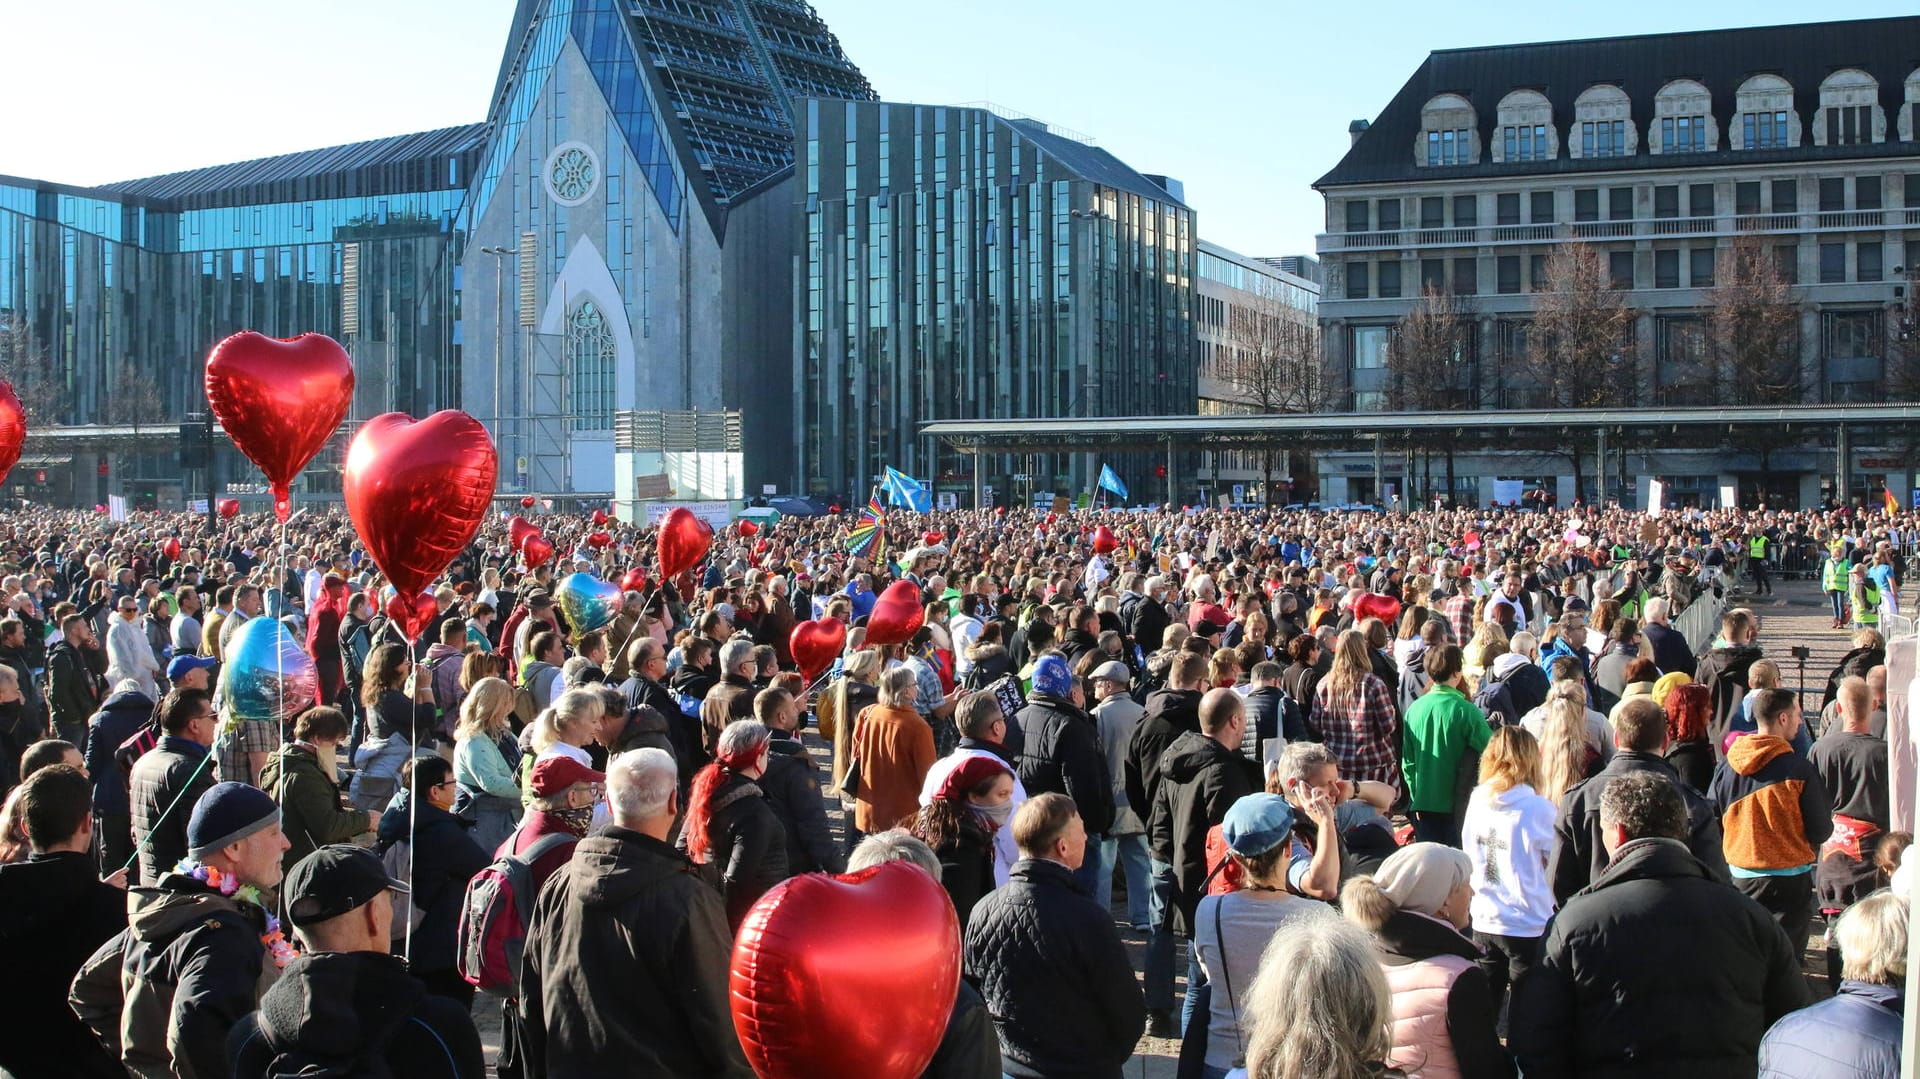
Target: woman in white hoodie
(1508,834)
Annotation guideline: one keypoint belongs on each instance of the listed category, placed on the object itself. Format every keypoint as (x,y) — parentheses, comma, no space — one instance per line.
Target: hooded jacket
(1199,779)
(311,813)
(359,1012)
(54,911)
(1774,811)
(1723,671)
(1655,970)
(1170,714)
(120,717)
(1060,752)
(1526,683)
(168,990)
(629,926)
(1443,1009)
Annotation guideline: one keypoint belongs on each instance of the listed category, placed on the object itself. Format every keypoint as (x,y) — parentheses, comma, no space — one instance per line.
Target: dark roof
(395,149)
(1091,162)
(1804,55)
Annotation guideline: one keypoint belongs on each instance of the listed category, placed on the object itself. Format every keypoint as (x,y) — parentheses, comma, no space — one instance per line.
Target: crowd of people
(1426,794)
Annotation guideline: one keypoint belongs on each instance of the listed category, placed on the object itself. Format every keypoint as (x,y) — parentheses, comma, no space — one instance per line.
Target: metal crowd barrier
(1700,622)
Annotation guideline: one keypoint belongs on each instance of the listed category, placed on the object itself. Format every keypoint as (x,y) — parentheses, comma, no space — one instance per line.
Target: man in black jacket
(1049,961)
(73,683)
(54,911)
(1081,636)
(1639,740)
(13,653)
(346,1005)
(443,859)
(792,786)
(1724,672)
(1061,748)
(169,780)
(1657,968)
(628,925)
(1171,712)
(1144,615)
(1669,645)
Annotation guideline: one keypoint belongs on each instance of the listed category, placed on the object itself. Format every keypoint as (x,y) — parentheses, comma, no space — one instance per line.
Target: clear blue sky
(1246,101)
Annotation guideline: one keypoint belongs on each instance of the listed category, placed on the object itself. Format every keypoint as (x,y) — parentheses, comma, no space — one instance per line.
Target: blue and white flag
(904,490)
(1111,482)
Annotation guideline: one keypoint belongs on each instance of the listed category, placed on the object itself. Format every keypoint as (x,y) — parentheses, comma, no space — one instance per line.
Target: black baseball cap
(333,881)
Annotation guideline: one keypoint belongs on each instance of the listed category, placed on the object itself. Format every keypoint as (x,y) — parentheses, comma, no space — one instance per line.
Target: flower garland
(275,938)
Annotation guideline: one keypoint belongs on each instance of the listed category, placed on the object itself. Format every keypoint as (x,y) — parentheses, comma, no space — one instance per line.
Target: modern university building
(623,274)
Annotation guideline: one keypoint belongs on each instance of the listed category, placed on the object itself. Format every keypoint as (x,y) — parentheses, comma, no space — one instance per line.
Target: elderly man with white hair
(630,928)
(1667,645)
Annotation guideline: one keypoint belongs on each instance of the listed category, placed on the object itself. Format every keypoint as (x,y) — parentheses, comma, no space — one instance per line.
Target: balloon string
(280,674)
(413,787)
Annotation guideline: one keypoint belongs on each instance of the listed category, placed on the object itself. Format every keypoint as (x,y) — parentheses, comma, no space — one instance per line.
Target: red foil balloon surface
(600,518)
(417,491)
(279,400)
(600,539)
(1104,541)
(171,548)
(897,614)
(229,508)
(933,538)
(684,540)
(520,530)
(536,550)
(1375,605)
(749,529)
(412,617)
(527,501)
(634,581)
(13,429)
(885,935)
(816,644)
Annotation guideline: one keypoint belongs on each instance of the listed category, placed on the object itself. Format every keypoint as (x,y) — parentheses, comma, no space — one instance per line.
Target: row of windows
(1839,262)
(1850,125)
(1834,194)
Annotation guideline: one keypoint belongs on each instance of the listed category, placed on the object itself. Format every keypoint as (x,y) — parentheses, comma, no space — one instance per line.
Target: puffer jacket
(173,775)
(1654,970)
(748,852)
(1199,779)
(190,965)
(120,717)
(1443,1009)
(360,1011)
(1061,754)
(629,925)
(1055,977)
(1854,1035)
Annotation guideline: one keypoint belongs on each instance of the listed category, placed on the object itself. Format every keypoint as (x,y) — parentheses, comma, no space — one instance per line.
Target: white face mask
(999,814)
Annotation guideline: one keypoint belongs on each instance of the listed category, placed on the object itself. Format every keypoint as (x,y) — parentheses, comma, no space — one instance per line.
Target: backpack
(523,704)
(407,915)
(494,916)
(1495,700)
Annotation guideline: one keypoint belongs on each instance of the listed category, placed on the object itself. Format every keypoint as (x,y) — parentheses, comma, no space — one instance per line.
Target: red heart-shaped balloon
(897,614)
(1000,511)
(835,508)
(684,540)
(520,530)
(1375,605)
(13,429)
(279,400)
(417,491)
(536,550)
(600,518)
(748,528)
(171,548)
(229,508)
(599,539)
(527,502)
(933,538)
(412,617)
(815,645)
(815,942)
(1104,541)
(634,581)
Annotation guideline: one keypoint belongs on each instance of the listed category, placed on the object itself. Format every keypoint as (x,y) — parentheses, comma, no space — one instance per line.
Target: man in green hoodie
(1440,748)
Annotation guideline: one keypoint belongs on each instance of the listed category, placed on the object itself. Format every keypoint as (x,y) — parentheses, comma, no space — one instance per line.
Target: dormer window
(1765,119)
(1603,118)
(1526,128)
(1850,113)
(1683,120)
(1447,133)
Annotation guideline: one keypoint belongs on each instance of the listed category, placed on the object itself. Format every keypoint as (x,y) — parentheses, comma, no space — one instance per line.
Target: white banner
(198,505)
(1508,492)
(117,507)
(717,514)
(1656,497)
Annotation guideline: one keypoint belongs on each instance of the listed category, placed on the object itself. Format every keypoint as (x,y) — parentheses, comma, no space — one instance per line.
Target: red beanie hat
(969,774)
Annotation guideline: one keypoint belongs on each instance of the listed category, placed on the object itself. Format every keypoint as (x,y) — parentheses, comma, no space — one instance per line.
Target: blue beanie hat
(1051,677)
(227,814)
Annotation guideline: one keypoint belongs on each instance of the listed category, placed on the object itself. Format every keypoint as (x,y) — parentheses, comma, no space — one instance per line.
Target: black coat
(748,845)
(1055,977)
(1145,621)
(445,858)
(792,787)
(966,865)
(1076,643)
(1199,779)
(172,776)
(1170,714)
(1724,672)
(73,689)
(1578,857)
(122,716)
(629,925)
(1060,753)
(54,911)
(1855,663)
(1655,969)
(1471,1010)
(971,1048)
(1670,651)
(352,1010)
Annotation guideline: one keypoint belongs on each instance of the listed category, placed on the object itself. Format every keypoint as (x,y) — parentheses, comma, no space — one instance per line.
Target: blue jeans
(1199,999)
(1159,972)
(378,778)
(1129,852)
(1088,875)
(1839,604)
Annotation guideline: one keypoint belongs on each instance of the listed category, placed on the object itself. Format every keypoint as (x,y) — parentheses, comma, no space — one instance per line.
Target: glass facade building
(961,264)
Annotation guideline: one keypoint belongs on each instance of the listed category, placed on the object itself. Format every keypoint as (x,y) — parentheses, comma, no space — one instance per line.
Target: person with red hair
(1689,709)
(731,831)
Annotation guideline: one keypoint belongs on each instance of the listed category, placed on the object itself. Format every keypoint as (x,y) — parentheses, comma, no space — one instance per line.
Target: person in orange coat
(893,746)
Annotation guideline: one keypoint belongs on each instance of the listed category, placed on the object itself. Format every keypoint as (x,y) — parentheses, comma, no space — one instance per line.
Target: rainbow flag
(868,538)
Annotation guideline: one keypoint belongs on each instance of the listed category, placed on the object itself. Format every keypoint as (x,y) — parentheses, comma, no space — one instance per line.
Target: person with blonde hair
(1857,1033)
(1319,1008)
(1568,750)
(1353,711)
(485,759)
(1508,830)
(892,746)
(1415,906)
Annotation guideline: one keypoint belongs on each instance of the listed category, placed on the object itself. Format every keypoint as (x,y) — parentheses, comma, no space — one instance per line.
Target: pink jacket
(1421,1045)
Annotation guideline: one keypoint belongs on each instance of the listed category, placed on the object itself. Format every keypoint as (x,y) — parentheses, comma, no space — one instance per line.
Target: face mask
(577,820)
(997,815)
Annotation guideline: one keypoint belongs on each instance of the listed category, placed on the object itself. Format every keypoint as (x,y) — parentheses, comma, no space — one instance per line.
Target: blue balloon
(588,602)
(267,675)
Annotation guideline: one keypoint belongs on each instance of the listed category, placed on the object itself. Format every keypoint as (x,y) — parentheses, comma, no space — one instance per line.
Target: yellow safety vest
(1757,547)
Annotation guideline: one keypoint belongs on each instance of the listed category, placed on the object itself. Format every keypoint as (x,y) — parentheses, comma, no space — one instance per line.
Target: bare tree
(26,363)
(1903,359)
(1753,319)
(1277,365)
(134,399)
(1431,362)
(1579,348)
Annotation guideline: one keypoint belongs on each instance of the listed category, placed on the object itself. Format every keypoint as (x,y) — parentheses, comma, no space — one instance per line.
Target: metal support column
(1169,471)
(1600,472)
(979,478)
(1380,469)
(1842,466)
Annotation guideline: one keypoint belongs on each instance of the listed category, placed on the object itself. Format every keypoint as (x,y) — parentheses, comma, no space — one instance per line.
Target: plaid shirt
(1459,612)
(1359,730)
(247,736)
